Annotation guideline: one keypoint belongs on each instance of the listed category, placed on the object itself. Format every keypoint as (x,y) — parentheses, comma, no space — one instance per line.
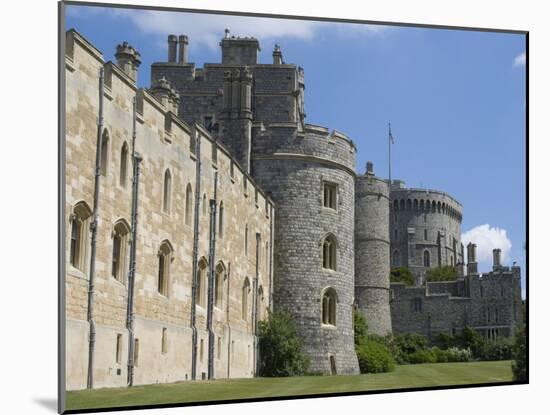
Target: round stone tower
(372,251)
(425,229)
(310,175)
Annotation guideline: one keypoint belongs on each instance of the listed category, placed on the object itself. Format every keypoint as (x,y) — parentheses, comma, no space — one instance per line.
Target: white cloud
(488,238)
(519,60)
(207,29)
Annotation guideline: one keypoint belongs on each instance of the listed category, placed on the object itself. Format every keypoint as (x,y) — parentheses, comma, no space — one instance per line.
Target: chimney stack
(370,167)
(277,55)
(172,46)
(128,59)
(496,258)
(183,41)
(472,264)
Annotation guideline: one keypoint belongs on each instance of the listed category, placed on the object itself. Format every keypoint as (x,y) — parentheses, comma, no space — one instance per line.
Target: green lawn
(406,376)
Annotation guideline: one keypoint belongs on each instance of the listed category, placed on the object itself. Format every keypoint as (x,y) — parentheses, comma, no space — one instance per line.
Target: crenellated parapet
(315,143)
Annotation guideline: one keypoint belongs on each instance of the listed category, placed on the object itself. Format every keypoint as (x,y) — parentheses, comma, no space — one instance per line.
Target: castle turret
(163,91)
(472,264)
(372,251)
(128,59)
(425,229)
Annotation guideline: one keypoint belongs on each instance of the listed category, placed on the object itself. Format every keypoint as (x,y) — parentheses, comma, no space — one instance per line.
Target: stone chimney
(168,96)
(472,264)
(277,55)
(128,59)
(172,46)
(370,168)
(184,42)
(496,258)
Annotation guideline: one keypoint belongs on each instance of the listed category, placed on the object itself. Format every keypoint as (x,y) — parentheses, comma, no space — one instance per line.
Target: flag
(391,137)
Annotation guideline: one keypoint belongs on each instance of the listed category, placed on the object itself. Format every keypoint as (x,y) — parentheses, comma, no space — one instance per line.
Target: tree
(359,327)
(402,274)
(519,354)
(446,273)
(280,347)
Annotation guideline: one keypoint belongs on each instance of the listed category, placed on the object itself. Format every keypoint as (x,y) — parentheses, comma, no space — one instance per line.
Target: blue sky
(456,100)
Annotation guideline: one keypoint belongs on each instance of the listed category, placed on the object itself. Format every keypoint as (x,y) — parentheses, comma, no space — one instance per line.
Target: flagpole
(389,153)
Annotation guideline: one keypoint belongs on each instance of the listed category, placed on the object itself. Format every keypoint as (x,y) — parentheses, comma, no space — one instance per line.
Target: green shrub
(374,357)
(280,347)
(446,273)
(499,350)
(471,339)
(444,341)
(402,274)
(441,356)
(407,344)
(519,354)
(359,327)
(454,354)
(422,356)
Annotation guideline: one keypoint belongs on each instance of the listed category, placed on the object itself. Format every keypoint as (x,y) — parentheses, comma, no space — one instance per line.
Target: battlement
(315,143)
(424,200)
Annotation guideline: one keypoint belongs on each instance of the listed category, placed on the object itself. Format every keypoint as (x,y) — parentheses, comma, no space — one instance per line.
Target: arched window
(433,206)
(402,204)
(246,239)
(221,224)
(329,252)
(218,285)
(426,258)
(188,204)
(425,234)
(124,165)
(421,204)
(119,262)
(428,204)
(167,189)
(329,300)
(201,282)
(409,204)
(165,258)
(396,258)
(104,153)
(415,204)
(244,299)
(395,234)
(396,205)
(438,207)
(80,224)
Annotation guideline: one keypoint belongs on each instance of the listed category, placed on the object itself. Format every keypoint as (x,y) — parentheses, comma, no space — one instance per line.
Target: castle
(198,204)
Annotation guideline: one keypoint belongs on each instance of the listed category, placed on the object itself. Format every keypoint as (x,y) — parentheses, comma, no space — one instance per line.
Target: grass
(405,376)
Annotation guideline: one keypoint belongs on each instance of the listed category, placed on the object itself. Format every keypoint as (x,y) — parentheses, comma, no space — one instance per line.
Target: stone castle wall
(372,252)
(489,303)
(165,142)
